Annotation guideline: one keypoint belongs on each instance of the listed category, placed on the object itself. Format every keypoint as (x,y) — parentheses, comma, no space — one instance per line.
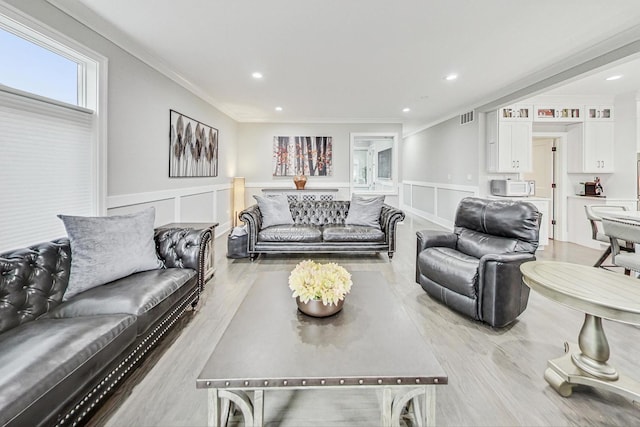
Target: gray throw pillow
(274,210)
(365,211)
(108,248)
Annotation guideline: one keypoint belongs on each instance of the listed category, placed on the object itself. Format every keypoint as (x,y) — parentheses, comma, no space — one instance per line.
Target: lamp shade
(238,198)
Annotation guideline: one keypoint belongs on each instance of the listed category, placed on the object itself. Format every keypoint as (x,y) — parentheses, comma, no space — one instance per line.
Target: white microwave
(509,188)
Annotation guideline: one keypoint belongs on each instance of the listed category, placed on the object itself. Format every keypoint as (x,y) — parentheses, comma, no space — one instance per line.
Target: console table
(599,294)
(308,194)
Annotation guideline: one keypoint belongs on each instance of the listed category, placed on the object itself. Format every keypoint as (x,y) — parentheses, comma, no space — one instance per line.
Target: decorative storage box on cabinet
(516,113)
(599,113)
(508,144)
(591,145)
(546,113)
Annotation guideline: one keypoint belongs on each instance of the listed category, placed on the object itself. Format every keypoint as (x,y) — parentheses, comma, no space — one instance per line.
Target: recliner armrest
(501,294)
(433,238)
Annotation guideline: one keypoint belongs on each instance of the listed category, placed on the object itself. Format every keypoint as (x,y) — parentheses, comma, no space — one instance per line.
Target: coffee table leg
(424,414)
(213,415)
(387,402)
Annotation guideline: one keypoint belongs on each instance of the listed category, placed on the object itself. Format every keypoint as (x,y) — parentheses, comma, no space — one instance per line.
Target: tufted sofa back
(319,212)
(496,226)
(32,281)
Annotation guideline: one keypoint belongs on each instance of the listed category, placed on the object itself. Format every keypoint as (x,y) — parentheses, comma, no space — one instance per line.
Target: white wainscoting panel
(436,202)
(194,204)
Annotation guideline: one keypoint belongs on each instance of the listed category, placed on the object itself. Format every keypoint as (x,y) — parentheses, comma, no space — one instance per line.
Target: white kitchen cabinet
(508,144)
(602,113)
(591,147)
(564,113)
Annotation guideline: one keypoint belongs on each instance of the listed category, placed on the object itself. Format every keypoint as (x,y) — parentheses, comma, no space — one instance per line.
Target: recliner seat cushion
(352,233)
(44,361)
(290,233)
(451,269)
(147,295)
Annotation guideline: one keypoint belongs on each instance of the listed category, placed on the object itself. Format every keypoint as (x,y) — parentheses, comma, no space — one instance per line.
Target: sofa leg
(253,257)
(390,256)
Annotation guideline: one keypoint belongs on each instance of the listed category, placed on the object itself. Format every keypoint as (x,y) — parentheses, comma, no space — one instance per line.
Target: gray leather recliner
(476,268)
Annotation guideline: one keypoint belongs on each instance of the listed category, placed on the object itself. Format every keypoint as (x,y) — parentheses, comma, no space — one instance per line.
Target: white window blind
(45,168)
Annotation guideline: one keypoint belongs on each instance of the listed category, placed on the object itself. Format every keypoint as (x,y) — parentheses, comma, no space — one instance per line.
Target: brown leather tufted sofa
(319,226)
(59,360)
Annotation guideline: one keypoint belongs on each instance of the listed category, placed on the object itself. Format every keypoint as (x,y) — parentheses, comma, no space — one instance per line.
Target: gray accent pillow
(365,211)
(104,249)
(274,210)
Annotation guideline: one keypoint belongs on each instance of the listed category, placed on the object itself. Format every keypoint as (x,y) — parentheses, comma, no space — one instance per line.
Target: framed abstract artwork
(302,155)
(193,147)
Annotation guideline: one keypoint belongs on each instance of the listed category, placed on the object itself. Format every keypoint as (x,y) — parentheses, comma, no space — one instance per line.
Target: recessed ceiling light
(406,110)
(451,77)
(256,75)
(616,77)
(278,108)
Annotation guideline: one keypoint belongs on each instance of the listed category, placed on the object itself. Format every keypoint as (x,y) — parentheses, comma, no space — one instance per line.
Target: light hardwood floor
(495,375)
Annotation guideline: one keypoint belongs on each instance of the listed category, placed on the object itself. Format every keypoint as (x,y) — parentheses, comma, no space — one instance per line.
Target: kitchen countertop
(617,199)
(531,198)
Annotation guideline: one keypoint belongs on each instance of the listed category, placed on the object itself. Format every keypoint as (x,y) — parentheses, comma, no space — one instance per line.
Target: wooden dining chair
(625,230)
(594,215)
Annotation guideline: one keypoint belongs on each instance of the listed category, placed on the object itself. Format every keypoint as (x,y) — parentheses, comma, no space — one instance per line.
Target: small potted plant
(319,289)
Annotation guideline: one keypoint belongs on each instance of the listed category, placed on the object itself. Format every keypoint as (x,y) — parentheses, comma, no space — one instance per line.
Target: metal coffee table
(370,344)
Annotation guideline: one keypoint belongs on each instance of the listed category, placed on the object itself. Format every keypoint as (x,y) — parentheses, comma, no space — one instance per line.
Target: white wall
(440,166)
(255,154)
(139,99)
(622,183)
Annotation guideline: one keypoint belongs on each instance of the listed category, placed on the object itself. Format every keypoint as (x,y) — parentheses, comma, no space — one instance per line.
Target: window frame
(92,87)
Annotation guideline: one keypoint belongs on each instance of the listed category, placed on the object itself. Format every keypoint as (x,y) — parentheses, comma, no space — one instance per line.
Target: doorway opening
(549,172)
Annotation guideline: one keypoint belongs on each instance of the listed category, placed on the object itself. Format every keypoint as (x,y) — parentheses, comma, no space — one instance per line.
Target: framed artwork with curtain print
(193,147)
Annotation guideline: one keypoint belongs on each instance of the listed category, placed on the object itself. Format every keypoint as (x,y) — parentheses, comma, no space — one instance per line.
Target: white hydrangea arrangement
(329,282)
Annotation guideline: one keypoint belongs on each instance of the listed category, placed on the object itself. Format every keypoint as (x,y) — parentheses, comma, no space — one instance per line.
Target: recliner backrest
(496,226)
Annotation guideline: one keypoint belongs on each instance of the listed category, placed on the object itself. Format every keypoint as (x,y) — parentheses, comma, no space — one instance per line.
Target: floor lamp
(238,198)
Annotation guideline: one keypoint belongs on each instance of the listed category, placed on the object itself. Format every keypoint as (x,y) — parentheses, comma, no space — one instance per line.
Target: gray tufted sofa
(59,360)
(319,226)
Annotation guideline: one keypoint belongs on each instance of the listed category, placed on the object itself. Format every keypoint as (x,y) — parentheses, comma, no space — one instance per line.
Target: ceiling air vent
(466,118)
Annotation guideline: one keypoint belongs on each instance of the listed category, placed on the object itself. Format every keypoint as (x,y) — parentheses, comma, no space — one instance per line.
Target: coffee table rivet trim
(360,381)
(285,382)
(226,383)
(304,382)
(341,381)
(399,381)
(417,380)
(322,382)
(435,380)
(246,383)
(208,382)
(266,383)
(379,381)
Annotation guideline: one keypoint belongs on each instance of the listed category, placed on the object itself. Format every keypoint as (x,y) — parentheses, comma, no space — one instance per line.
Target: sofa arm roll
(252,218)
(502,295)
(184,248)
(389,217)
